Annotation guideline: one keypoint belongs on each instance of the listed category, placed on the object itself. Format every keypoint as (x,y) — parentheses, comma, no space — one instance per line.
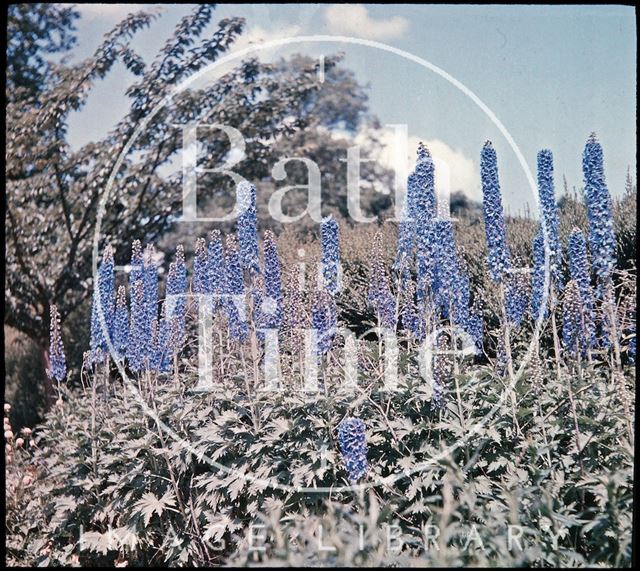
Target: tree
(54,192)
(34,31)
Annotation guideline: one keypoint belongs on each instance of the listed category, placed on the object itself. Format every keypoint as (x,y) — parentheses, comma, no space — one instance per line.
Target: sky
(550,74)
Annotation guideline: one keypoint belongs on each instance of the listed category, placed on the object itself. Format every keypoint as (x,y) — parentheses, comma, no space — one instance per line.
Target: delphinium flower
(324,321)
(272,302)
(461,298)
(136,350)
(137,262)
(235,291)
(580,271)
(200,281)
(516,296)
(153,352)
(353,447)
(573,335)
(248,226)
(444,283)
(406,231)
(163,348)
(379,294)
(536,378)
(330,240)
(539,296)
(602,240)
(466,318)
(121,326)
(475,326)
(103,307)
(150,286)
(441,371)
(295,314)
(549,210)
(425,194)
(215,269)
(424,212)
(495,229)
(176,291)
(57,362)
(411,317)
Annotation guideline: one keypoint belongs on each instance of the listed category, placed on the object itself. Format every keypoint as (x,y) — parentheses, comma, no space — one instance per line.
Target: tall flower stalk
(551,224)
(150,287)
(602,239)
(248,227)
(57,361)
(330,261)
(136,350)
(324,321)
(495,229)
(499,260)
(423,213)
(580,272)
(121,326)
(573,330)
(379,293)
(102,310)
(272,302)
(353,447)
(215,269)
(176,297)
(235,291)
(539,296)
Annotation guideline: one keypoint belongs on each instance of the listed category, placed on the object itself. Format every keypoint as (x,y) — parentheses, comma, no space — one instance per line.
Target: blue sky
(551,74)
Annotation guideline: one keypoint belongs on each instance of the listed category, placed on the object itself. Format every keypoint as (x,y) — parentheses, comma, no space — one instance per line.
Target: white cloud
(354,20)
(112,12)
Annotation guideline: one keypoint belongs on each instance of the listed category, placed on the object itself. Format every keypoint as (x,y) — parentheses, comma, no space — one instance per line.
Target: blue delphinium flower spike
(235,291)
(176,291)
(248,226)
(573,334)
(353,447)
(324,321)
(215,270)
(330,240)
(495,229)
(539,296)
(57,362)
(272,301)
(602,239)
(150,286)
(103,308)
(121,327)
(379,294)
(136,350)
(549,210)
(580,271)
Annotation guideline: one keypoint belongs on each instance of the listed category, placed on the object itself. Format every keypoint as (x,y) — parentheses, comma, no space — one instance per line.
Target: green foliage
(112,485)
